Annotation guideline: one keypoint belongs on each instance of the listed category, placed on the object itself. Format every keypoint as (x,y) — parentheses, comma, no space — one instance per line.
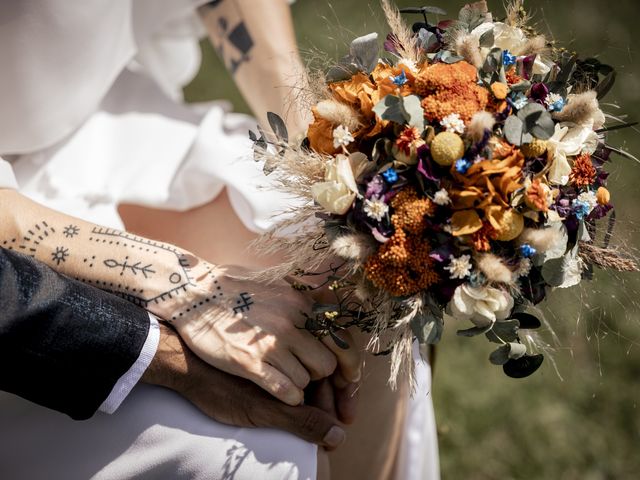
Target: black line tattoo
(133,267)
(70,231)
(243,304)
(59,255)
(235,42)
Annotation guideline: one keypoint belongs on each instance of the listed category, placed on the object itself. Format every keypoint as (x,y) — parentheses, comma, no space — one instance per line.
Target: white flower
(589,198)
(337,193)
(453,123)
(375,209)
(341,136)
(459,267)
(569,140)
(441,197)
(482,305)
(513,39)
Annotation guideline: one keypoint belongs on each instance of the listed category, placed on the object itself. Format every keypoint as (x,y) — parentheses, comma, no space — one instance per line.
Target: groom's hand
(233,400)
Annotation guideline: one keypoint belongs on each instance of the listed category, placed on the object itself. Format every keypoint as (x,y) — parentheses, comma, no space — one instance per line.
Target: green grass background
(585,426)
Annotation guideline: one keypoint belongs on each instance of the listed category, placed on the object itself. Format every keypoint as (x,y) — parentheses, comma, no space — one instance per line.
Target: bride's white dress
(89,119)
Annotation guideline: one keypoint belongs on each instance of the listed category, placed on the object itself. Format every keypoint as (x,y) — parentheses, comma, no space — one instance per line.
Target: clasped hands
(255,331)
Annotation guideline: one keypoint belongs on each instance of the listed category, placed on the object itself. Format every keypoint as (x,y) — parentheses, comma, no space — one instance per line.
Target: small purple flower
(508,58)
(463,165)
(527,250)
(375,187)
(400,79)
(539,92)
(390,175)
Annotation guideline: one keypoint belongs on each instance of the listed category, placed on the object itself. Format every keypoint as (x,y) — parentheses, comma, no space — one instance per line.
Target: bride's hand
(255,331)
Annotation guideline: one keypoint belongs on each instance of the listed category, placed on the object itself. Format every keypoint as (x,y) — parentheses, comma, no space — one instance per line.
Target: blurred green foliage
(585,426)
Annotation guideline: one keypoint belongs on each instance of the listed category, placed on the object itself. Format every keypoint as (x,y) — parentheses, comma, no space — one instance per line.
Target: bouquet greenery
(464,172)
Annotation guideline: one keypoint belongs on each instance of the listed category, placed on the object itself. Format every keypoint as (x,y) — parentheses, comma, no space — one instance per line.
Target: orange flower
(485,190)
(512,77)
(320,135)
(583,173)
(451,88)
(481,238)
(536,196)
(402,266)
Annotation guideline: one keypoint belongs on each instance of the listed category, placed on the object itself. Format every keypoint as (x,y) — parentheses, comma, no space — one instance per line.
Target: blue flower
(527,250)
(390,175)
(520,101)
(558,105)
(581,209)
(463,165)
(399,80)
(508,58)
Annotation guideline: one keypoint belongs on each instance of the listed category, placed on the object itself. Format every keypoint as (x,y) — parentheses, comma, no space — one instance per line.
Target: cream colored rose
(513,39)
(337,193)
(482,305)
(568,140)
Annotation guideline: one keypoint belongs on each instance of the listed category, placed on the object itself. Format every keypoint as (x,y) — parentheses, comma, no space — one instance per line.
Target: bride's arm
(256,40)
(238,326)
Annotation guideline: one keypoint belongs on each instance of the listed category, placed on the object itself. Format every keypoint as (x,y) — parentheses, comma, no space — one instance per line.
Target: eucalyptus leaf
(493,61)
(343,71)
(527,321)
(500,356)
(474,331)
(413,112)
(270,165)
(487,39)
(514,131)
(366,51)
(606,85)
(508,351)
(446,56)
(427,40)
(427,327)
(537,121)
(278,126)
(390,108)
(504,331)
(523,366)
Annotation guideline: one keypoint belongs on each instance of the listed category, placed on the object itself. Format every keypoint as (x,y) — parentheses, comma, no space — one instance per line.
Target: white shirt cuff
(126,382)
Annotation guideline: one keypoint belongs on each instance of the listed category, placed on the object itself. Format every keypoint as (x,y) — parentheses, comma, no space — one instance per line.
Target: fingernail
(335,437)
(357,377)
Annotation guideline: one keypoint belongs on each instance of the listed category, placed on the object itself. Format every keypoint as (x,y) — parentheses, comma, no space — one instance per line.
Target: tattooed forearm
(230,36)
(160,277)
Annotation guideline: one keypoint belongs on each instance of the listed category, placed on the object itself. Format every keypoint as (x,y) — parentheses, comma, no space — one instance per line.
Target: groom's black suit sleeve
(63,344)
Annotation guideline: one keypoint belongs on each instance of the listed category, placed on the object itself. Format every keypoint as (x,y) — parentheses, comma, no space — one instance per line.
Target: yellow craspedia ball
(603,196)
(510,225)
(446,148)
(534,149)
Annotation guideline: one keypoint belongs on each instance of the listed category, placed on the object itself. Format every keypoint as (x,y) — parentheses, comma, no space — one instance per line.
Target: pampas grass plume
(494,268)
(583,109)
(352,246)
(542,239)
(468,47)
(480,122)
(338,113)
(534,46)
